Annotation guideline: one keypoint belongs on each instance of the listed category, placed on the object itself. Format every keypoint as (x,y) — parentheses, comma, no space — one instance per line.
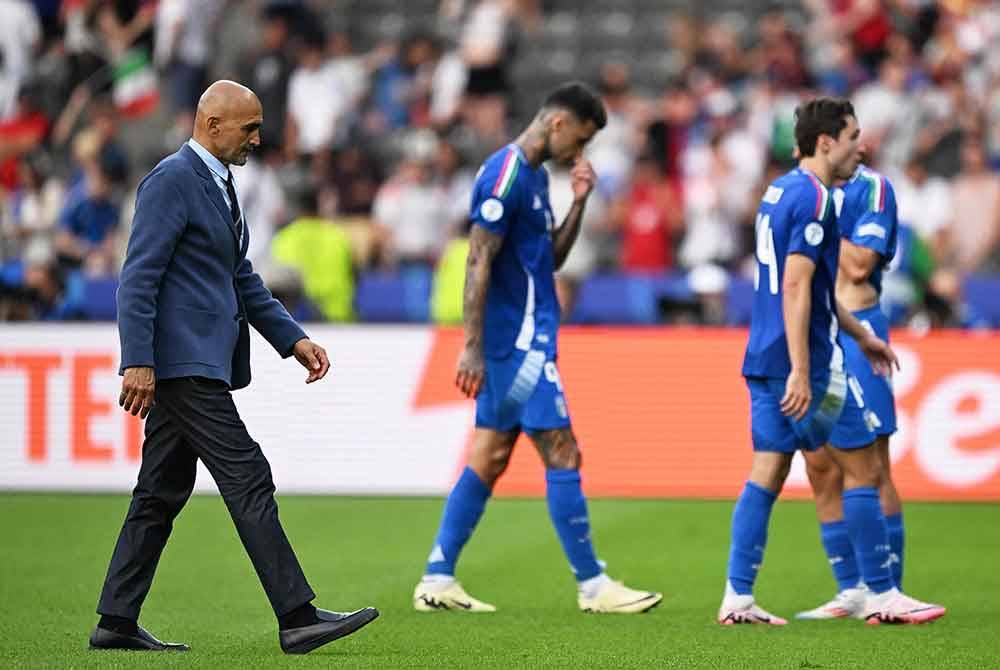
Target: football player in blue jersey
(794,369)
(511,319)
(866,213)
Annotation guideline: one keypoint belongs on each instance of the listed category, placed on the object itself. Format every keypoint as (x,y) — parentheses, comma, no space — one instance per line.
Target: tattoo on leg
(558,449)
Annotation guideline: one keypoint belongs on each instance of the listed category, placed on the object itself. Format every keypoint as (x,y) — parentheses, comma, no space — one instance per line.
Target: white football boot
(893,606)
(737,609)
(849,603)
(604,595)
(438,594)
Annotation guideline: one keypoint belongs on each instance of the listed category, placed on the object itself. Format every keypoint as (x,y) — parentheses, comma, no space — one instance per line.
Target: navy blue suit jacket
(187,290)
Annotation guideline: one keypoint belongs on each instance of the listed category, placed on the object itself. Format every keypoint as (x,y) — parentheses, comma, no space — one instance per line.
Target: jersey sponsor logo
(773,195)
(872,229)
(491,210)
(814,234)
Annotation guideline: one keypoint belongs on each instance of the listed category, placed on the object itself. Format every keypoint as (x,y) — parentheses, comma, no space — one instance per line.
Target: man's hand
(471,372)
(798,395)
(138,388)
(879,354)
(313,358)
(582,178)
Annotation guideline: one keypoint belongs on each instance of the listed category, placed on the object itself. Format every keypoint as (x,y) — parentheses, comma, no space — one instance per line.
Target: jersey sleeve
(495,196)
(873,227)
(806,231)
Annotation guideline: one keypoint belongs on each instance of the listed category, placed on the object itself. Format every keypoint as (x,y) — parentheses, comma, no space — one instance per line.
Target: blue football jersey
(510,198)
(866,212)
(795,217)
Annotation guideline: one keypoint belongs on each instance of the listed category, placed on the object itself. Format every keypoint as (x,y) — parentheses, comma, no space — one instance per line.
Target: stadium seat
(96,301)
(739,301)
(560,29)
(12,273)
(673,287)
(387,297)
(619,299)
(981,301)
(563,5)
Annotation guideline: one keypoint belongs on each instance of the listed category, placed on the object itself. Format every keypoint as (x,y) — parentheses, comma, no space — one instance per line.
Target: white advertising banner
(659,412)
(353,432)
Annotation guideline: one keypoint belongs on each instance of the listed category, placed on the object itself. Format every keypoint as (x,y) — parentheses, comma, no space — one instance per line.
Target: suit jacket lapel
(213,192)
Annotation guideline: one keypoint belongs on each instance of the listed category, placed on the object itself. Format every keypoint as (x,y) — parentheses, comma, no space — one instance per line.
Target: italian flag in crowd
(134,86)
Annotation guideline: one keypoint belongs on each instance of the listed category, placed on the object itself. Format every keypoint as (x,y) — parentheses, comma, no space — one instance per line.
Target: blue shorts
(832,404)
(876,390)
(522,391)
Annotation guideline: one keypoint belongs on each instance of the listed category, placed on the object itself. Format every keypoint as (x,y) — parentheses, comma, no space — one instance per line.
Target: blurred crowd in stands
(378,112)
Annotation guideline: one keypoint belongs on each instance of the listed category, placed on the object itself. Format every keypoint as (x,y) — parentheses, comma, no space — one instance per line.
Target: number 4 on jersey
(765,254)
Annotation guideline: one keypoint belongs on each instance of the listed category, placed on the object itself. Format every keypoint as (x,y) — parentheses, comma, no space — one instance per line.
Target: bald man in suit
(186,301)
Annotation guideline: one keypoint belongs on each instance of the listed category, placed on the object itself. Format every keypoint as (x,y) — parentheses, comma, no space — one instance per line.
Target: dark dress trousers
(187,296)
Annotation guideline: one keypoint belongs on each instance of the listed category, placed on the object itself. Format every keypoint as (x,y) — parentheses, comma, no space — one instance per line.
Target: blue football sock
(461,514)
(894,523)
(838,548)
(568,510)
(746,551)
(869,536)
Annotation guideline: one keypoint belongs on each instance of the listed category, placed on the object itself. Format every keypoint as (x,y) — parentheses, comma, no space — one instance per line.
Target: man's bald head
(228,121)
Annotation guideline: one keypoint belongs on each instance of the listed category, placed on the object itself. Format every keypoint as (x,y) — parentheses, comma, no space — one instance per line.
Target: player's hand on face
(798,396)
(582,178)
(313,358)
(138,389)
(880,355)
(471,372)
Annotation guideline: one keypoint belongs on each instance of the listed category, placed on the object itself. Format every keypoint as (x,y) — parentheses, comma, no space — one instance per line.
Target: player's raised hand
(798,395)
(880,355)
(582,178)
(471,372)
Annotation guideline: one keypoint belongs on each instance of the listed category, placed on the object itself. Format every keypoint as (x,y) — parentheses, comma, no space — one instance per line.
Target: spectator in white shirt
(262,200)
(315,100)
(20,33)
(411,210)
(184,32)
(924,202)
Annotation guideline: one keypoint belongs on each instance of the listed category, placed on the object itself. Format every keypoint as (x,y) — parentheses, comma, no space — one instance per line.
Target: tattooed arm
(483,248)
(582,178)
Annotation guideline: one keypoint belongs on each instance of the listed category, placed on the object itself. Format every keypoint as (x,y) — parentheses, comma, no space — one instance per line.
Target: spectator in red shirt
(20,135)
(649,217)
(865,22)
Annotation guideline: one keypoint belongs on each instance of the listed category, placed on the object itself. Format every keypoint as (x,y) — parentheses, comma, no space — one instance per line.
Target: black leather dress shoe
(102,638)
(331,626)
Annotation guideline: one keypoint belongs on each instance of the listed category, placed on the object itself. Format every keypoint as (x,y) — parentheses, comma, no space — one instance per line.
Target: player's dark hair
(580,99)
(820,116)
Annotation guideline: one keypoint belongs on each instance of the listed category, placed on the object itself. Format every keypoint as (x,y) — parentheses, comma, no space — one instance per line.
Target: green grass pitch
(370,551)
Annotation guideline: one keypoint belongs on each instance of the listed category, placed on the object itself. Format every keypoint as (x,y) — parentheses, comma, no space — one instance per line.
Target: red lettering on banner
(36,368)
(86,407)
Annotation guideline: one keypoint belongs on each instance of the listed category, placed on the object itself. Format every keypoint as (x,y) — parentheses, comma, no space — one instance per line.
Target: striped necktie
(234,207)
